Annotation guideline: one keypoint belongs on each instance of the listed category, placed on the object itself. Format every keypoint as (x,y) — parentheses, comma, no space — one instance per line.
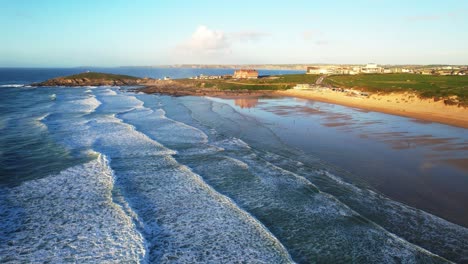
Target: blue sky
(50,33)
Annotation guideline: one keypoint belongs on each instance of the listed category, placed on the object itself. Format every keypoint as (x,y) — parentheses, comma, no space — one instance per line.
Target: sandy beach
(402,104)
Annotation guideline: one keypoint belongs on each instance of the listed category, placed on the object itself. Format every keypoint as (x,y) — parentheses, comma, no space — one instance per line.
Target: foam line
(68,217)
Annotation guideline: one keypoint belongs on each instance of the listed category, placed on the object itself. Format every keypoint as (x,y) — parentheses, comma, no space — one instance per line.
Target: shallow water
(105,175)
(421,164)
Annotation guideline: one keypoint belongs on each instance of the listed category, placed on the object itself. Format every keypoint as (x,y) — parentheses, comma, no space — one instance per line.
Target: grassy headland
(277,82)
(92,79)
(426,86)
(100,75)
(266,85)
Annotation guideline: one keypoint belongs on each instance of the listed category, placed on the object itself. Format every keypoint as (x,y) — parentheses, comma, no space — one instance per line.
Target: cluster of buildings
(245,74)
(372,68)
(238,74)
(444,70)
(210,77)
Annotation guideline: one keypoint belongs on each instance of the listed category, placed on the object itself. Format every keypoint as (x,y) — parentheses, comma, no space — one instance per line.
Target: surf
(177,211)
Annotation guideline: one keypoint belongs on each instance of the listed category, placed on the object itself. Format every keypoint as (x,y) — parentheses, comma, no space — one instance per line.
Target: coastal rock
(93,79)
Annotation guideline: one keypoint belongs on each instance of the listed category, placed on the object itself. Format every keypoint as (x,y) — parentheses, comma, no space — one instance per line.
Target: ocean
(109,174)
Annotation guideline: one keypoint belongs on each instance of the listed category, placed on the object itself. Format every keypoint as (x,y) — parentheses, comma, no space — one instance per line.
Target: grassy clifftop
(92,79)
(426,86)
(275,82)
(99,75)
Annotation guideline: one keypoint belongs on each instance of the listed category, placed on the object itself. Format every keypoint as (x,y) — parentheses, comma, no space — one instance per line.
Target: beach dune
(402,104)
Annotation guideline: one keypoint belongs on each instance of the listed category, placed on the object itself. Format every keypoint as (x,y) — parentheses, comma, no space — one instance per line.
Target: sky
(51,33)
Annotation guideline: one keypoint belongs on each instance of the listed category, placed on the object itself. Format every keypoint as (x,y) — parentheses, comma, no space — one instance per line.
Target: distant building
(317,70)
(245,74)
(343,70)
(166,78)
(427,72)
(371,68)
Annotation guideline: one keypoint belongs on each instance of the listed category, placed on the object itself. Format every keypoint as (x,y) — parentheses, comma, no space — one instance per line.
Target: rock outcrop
(94,79)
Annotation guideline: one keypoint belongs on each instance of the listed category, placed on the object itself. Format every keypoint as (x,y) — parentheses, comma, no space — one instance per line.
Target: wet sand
(421,164)
(404,104)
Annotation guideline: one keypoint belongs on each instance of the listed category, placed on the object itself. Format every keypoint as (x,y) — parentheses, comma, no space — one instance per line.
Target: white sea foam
(69,217)
(181,217)
(326,226)
(164,129)
(88,105)
(12,85)
(39,121)
(85,105)
(117,103)
(232,144)
(109,92)
(42,117)
(107,133)
(186,221)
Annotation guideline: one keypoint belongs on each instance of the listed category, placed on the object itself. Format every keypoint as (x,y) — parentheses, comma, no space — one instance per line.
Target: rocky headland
(94,79)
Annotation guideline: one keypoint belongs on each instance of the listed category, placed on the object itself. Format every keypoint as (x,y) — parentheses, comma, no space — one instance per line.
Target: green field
(98,75)
(427,86)
(278,82)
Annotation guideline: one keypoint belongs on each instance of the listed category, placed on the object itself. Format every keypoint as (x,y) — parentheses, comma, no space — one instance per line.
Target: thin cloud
(443,16)
(423,18)
(322,42)
(315,36)
(307,35)
(311,34)
(248,35)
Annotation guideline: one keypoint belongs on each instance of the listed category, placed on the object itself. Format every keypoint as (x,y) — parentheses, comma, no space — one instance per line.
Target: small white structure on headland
(303,86)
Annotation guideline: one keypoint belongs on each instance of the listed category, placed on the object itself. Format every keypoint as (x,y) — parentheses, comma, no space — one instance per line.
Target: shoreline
(400,104)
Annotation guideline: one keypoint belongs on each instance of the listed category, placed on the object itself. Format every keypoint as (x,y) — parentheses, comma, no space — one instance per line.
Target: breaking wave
(68,217)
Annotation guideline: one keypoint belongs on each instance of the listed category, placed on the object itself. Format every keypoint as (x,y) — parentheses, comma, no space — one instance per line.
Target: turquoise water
(99,174)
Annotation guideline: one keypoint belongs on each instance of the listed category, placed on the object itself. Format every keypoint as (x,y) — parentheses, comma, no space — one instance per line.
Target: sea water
(102,174)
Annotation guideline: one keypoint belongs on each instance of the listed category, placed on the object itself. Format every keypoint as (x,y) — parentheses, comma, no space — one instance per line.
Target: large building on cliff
(245,74)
